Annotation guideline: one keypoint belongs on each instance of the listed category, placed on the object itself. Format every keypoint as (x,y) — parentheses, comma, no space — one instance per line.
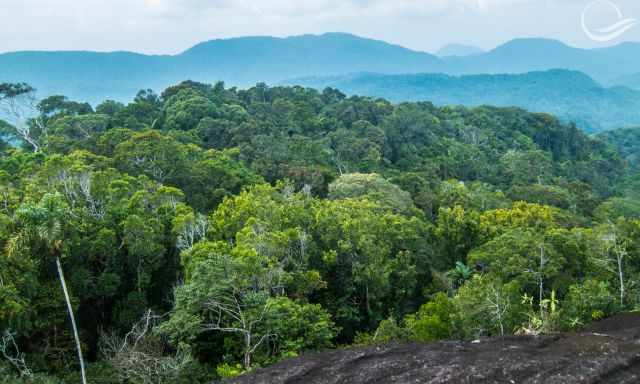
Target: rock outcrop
(608,352)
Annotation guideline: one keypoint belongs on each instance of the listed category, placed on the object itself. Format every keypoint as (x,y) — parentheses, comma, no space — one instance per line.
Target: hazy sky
(171,26)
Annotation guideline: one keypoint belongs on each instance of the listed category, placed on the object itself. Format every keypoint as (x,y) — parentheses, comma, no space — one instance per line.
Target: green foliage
(489,307)
(7,376)
(374,188)
(626,141)
(226,371)
(586,302)
(435,320)
(581,99)
(388,331)
(270,221)
(617,207)
(298,327)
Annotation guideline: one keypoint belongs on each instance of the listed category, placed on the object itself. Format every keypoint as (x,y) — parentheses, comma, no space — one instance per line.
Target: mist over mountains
(242,62)
(459,50)
(92,76)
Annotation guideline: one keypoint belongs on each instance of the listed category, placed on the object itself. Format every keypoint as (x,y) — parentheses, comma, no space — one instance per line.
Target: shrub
(586,302)
(435,320)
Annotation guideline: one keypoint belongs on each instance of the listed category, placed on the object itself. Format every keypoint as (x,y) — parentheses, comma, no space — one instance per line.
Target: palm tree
(42,225)
(460,274)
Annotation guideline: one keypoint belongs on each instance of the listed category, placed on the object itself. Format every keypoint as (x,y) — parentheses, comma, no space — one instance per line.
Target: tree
(185,109)
(457,232)
(587,301)
(488,306)
(298,327)
(526,167)
(228,295)
(524,256)
(10,351)
(614,249)
(460,274)
(373,187)
(365,251)
(140,356)
(435,320)
(44,223)
(18,102)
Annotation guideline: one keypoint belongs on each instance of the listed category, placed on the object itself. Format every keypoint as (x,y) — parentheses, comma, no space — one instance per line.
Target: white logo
(607,33)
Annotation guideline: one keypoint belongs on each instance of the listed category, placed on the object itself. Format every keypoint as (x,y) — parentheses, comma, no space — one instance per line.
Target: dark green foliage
(627,141)
(572,96)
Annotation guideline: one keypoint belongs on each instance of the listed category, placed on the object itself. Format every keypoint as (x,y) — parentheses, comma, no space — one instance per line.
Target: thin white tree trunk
(73,320)
(543,261)
(247,352)
(621,277)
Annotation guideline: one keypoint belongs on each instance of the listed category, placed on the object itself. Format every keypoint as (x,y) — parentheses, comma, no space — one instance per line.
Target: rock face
(609,352)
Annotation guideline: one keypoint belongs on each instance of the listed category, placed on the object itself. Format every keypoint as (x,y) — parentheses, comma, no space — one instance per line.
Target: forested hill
(206,231)
(627,141)
(572,96)
(94,76)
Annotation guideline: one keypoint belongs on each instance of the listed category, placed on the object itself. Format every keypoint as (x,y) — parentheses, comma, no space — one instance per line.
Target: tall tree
(43,227)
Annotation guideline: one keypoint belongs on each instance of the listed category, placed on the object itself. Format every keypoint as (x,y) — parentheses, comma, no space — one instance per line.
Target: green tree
(374,188)
(488,306)
(586,302)
(44,224)
(435,320)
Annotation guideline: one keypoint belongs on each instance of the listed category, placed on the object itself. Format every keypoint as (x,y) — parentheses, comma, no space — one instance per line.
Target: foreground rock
(608,353)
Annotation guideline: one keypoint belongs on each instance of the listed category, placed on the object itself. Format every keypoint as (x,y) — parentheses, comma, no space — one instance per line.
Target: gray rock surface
(608,352)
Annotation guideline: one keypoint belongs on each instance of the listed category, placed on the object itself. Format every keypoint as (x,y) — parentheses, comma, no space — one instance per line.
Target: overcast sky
(171,26)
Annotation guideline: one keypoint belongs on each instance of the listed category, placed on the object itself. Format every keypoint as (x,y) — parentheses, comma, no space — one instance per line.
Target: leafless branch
(10,351)
(139,356)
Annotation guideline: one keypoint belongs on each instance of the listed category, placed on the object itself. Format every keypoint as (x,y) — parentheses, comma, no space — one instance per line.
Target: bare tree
(539,274)
(240,312)
(18,104)
(192,232)
(94,206)
(615,249)
(498,305)
(543,262)
(140,356)
(10,351)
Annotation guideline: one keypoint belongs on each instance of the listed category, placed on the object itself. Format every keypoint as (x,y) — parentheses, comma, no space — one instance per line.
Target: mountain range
(92,76)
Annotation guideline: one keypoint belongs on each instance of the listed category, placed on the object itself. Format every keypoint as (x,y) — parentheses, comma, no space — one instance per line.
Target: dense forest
(206,231)
(580,99)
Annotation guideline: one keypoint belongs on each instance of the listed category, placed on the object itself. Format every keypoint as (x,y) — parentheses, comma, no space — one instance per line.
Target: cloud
(169,26)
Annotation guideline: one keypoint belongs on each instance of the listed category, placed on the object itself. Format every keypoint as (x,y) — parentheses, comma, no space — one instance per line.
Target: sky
(172,26)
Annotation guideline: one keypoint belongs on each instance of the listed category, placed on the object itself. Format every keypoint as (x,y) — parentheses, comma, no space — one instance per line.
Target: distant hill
(571,95)
(626,141)
(458,50)
(91,76)
(606,65)
(631,81)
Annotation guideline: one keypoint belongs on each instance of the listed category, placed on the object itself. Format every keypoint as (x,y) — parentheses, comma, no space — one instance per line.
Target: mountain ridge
(244,61)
